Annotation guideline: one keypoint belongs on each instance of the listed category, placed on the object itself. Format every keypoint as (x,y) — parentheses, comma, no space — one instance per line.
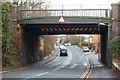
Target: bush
(115,47)
(85,43)
(10,63)
(67,41)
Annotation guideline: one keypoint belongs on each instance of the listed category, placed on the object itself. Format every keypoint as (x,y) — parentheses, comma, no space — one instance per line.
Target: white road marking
(83,55)
(67,62)
(85,64)
(98,66)
(42,74)
(56,69)
(73,66)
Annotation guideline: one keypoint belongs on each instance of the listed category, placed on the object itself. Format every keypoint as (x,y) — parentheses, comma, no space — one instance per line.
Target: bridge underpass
(35,23)
(35,30)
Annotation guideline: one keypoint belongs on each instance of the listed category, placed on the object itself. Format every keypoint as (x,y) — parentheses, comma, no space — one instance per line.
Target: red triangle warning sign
(61,20)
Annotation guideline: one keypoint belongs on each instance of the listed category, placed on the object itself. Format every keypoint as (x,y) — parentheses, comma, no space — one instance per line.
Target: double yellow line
(86,71)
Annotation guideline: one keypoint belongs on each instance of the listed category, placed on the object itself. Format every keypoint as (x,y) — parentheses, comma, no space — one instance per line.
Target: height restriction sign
(61,20)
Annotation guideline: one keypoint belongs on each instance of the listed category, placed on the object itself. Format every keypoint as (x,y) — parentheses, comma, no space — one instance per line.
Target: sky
(83,3)
(78,2)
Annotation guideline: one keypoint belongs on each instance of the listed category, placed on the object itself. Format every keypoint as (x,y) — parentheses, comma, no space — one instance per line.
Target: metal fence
(26,14)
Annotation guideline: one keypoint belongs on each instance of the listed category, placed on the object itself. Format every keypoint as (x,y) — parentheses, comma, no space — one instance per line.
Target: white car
(62,47)
(66,44)
(69,44)
(85,49)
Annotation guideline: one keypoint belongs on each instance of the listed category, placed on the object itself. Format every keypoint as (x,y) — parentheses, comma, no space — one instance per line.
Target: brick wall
(15,36)
(114,10)
(115,29)
(115,20)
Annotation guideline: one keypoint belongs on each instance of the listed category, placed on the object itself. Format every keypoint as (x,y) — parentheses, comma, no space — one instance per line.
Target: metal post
(62,10)
(98,43)
(80,6)
(20,15)
(80,41)
(106,14)
(69,38)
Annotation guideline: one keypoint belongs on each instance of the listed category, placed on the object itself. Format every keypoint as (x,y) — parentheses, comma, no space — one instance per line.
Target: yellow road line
(86,71)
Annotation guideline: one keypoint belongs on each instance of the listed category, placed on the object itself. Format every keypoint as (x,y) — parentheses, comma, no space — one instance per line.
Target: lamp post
(80,41)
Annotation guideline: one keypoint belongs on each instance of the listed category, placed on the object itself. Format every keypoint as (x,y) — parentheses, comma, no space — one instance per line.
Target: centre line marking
(42,74)
(73,66)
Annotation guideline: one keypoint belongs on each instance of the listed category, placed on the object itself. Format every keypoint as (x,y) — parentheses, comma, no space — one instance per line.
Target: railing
(26,14)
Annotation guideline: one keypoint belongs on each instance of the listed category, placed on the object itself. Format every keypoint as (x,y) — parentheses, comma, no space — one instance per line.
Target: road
(76,66)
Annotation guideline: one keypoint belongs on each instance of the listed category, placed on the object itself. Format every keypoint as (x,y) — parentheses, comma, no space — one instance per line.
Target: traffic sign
(61,20)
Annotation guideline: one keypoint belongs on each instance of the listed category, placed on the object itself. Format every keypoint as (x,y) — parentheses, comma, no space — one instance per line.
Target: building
(96,42)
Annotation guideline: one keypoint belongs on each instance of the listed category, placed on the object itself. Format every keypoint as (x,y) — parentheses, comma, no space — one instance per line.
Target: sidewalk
(102,72)
(98,70)
(42,62)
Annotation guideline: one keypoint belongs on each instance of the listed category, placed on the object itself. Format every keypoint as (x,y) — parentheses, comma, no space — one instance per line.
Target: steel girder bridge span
(48,24)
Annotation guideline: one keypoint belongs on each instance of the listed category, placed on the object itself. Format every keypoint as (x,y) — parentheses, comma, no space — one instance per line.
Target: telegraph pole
(80,41)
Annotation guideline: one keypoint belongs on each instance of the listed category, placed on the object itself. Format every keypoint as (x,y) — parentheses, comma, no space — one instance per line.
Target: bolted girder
(65,28)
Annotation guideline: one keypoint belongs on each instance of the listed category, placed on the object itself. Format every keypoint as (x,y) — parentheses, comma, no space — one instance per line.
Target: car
(69,44)
(66,44)
(63,51)
(61,46)
(85,49)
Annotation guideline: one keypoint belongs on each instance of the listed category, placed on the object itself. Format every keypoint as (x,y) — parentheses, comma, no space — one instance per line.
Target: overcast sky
(83,3)
(93,3)
(78,2)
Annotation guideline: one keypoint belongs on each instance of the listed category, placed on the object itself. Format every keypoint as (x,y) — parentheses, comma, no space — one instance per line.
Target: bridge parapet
(56,13)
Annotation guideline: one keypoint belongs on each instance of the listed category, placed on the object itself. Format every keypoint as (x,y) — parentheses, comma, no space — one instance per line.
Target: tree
(33,5)
(115,47)
(85,43)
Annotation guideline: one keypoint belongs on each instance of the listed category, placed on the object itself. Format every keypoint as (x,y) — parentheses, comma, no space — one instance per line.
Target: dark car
(63,51)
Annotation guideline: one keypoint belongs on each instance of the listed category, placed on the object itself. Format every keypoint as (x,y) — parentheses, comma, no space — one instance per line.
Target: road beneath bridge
(33,30)
(76,66)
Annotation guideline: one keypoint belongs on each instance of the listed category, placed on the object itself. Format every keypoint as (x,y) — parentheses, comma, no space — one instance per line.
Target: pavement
(98,70)
(42,62)
(78,65)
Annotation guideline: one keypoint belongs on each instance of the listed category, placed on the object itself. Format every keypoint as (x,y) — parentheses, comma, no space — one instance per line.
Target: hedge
(115,47)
